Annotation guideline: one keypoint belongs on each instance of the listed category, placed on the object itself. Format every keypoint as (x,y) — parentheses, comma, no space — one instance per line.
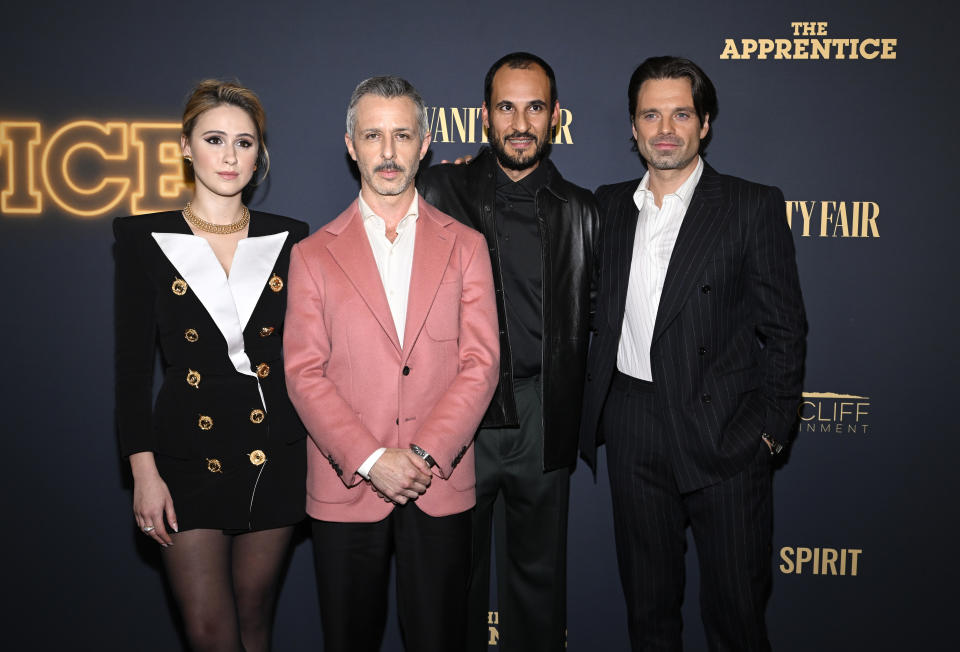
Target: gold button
(179,287)
(258,457)
(263,370)
(266,331)
(205,422)
(257,416)
(276,283)
(213,465)
(191,335)
(193,378)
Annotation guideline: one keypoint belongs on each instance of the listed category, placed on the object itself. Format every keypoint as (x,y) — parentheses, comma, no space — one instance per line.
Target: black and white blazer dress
(225,436)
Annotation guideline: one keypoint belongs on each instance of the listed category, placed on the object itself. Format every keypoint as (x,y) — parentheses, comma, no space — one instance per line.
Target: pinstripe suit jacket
(729,338)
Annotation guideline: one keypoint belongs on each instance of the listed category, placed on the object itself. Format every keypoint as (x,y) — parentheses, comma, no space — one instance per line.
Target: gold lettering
(460,123)
(561,133)
(869,220)
(766,47)
(783,48)
(829,559)
(803,555)
(800,48)
(820,49)
(85,136)
(730,50)
(18,145)
(786,554)
(854,556)
(889,45)
(875,42)
(159,172)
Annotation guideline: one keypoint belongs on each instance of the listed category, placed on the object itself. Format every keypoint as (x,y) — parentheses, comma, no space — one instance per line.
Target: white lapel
(230,302)
(252,264)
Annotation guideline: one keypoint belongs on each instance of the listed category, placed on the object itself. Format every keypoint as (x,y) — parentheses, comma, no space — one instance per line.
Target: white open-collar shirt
(653,242)
(395,264)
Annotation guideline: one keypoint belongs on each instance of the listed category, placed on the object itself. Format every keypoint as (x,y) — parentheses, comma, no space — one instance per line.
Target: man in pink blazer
(391,348)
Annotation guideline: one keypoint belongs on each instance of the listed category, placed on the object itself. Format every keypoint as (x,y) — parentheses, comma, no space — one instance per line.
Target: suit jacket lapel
(704,221)
(351,251)
(431,253)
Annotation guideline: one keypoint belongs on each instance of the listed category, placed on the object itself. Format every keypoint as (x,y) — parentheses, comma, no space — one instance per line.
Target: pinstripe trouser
(731,523)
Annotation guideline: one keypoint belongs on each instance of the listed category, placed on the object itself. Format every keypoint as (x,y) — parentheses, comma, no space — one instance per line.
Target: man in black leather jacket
(541,231)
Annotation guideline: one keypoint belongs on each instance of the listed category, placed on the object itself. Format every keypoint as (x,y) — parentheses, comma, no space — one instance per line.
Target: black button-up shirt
(518,236)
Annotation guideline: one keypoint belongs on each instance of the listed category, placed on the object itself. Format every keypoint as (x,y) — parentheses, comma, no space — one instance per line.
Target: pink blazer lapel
(434,244)
(351,251)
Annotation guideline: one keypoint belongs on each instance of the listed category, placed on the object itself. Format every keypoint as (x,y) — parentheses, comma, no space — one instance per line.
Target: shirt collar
(538,178)
(684,193)
(413,212)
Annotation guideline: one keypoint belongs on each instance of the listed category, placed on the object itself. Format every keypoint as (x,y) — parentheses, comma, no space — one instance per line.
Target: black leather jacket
(568,234)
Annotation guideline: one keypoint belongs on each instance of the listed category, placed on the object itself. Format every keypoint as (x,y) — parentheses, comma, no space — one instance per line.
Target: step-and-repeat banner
(849,108)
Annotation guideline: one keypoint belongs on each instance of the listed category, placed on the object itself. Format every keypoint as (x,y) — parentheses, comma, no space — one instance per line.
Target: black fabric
(731,523)
(240,496)
(528,510)
(568,221)
(226,586)
(518,239)
(352,562)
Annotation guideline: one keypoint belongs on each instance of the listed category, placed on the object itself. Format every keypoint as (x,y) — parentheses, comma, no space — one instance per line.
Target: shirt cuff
(364,469)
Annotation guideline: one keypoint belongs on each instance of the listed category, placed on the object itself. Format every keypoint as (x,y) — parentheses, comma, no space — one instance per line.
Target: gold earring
(187,158)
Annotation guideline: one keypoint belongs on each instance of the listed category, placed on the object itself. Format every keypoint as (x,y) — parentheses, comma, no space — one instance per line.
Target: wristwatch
(419,452)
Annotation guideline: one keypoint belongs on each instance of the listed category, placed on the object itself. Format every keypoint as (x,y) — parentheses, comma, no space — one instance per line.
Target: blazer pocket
(443,321)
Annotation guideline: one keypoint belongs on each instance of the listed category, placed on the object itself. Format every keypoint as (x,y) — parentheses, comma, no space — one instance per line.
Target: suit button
(179,287)
(204,422)
(275,283)
(258,457)
(191,335)
(406,371)
(705,289)
(257,416)
(702,350)
(193,378)
(266,331)
(706,398)
(213,465)
(263,370)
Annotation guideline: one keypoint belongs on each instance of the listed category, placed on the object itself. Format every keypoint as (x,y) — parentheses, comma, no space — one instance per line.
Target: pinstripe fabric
(727,364)
(729,338)
(731,524)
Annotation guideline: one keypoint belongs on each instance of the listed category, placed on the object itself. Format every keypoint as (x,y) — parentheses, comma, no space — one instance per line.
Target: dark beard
(514,163)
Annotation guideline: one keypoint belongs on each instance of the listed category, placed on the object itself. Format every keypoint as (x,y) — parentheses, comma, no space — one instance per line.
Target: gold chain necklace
(220,229)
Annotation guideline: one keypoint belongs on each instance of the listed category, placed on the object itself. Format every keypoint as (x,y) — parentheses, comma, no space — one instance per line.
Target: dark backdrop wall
(862,147)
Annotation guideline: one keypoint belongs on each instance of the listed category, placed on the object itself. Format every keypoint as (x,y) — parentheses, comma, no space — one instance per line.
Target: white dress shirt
(395,264)
(657,230)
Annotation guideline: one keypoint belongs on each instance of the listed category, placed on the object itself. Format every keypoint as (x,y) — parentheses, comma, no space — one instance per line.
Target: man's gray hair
(388,86)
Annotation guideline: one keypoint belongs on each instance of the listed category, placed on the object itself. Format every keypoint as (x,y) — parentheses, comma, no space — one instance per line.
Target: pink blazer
(356,389)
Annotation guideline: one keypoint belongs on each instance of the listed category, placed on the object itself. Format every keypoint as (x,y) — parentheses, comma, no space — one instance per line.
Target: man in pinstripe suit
(695,369)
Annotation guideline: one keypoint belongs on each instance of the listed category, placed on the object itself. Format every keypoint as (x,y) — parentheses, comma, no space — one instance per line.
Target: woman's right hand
(151,499)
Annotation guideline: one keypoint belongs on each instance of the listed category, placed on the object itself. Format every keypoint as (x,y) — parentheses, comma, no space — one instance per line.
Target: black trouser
(353,573)
(731,523)
(528,510)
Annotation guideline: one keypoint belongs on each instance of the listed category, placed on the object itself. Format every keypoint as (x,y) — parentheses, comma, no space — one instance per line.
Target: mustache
(669,140)
(522,134)
(388,165)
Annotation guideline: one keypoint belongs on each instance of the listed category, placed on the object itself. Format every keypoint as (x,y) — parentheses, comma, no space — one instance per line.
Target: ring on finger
(148,528)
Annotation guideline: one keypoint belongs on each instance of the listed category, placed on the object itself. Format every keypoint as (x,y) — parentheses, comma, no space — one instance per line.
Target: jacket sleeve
(453,421)
(330,421)
(135,342)
(780,317)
